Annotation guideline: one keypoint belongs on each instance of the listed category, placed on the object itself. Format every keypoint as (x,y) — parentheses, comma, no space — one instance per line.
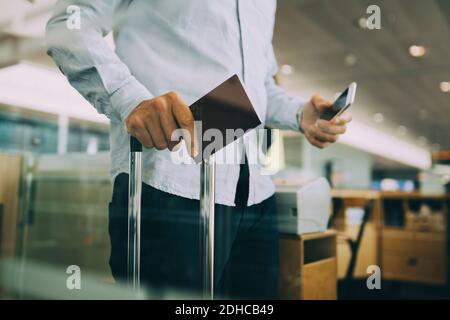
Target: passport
(226,107)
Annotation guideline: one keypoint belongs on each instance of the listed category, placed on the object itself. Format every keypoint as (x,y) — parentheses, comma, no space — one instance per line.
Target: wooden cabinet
(414,233)
(414,256)
(318,280)
(308,266)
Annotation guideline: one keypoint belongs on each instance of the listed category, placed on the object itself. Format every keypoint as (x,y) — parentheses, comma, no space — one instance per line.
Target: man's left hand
(319,132)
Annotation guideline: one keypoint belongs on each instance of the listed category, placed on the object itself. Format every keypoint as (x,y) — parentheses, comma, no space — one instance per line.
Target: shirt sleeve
(283,110)
(89,64)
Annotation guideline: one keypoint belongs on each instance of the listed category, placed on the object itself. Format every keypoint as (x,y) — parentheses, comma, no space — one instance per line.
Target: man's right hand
(153,121)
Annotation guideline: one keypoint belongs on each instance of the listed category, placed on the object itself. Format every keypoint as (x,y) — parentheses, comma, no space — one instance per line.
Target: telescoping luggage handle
(134,214)
(206,231)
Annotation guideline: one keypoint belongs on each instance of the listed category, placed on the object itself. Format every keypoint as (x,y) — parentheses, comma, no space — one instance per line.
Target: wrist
(128,97)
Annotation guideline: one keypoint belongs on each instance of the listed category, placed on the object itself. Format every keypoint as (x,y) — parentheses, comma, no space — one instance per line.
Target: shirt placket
(240,8)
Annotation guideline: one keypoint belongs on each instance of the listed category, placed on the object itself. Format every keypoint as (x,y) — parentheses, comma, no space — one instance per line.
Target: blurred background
(389,173)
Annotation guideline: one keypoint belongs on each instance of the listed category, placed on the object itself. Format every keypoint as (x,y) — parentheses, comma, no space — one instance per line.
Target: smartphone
(341,104)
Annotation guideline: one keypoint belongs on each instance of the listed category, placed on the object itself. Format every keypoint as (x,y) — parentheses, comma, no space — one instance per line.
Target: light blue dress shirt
(187,46)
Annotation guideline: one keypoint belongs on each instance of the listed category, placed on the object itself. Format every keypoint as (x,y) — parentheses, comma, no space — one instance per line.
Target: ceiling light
(445,86)
(378,117)
(362,23)
(417,51)
(287,69)
(402,130)
(350,60)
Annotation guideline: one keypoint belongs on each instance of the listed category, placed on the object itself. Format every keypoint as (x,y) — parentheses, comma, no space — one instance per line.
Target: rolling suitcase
(206,220)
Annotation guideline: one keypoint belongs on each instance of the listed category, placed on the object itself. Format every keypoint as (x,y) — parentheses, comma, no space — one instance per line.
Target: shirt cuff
(128,97)
(291,114)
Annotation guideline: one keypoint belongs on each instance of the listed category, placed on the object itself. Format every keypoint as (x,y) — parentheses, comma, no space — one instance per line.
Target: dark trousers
(246,242)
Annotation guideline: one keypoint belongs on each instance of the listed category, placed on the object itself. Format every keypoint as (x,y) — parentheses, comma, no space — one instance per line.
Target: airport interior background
(389,173)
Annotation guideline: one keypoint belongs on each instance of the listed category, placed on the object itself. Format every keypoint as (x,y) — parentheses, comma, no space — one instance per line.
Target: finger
(320,104)
(344,118)
(331,127)
(153,126)
(169,126)
(317,143)
(325,137)
(185,119)
(144,137)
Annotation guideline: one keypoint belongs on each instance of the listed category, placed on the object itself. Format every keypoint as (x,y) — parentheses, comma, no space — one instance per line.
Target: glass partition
(55,230)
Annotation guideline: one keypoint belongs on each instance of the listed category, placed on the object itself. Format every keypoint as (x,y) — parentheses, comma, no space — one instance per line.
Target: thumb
(320,104)
(185,120)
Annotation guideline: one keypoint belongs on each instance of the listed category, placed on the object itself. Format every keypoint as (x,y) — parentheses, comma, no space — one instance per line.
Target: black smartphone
(341,104)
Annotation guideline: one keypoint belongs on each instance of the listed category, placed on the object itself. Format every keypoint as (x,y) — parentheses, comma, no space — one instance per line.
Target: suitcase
(206,220)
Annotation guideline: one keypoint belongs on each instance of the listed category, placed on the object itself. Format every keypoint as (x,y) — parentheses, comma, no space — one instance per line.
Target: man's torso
(191,46)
